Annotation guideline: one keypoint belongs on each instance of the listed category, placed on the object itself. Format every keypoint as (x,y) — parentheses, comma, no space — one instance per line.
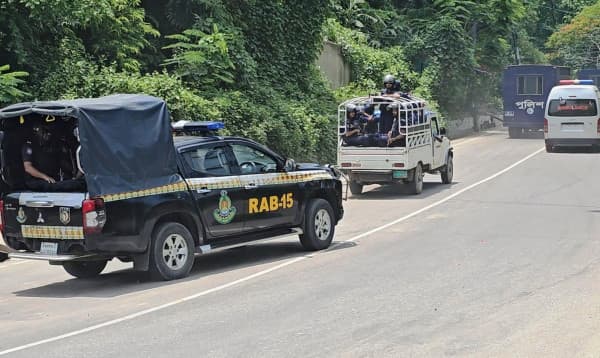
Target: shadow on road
(576,150)
(531,135)
(402,191)
(126,281)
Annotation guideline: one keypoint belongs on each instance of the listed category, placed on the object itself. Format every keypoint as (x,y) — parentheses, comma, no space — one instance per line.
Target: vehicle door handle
(203,191)
(251,186)
(39,204)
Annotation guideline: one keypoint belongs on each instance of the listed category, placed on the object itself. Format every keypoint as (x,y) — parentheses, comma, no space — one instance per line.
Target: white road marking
(264,272)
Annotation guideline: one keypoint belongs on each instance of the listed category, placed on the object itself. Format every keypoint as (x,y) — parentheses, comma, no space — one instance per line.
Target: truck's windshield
(573,108)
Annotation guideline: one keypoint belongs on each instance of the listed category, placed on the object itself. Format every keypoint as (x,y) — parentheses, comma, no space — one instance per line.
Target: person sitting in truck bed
(353,135)
(373,122)
(45,171)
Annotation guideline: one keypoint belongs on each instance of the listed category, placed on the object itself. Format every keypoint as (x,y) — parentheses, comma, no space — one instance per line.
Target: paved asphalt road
(500,263)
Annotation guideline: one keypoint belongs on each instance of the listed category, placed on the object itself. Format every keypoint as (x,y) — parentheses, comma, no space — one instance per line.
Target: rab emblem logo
(64,215)
(21,217)
(225,212)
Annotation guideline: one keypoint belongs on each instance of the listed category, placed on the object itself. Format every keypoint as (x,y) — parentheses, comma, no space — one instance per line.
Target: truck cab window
(207,162)
(253,161)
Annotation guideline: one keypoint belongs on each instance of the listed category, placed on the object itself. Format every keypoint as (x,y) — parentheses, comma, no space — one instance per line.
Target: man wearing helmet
(352,135)
(391,87)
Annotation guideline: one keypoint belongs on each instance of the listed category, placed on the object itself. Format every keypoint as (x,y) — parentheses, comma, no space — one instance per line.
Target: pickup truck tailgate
(372,158)
(44,215)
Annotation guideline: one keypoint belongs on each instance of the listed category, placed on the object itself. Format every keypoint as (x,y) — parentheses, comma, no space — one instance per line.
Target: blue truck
(524,91)
(590,74)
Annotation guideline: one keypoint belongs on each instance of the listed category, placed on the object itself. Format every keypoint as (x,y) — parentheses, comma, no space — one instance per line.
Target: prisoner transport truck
(425,147)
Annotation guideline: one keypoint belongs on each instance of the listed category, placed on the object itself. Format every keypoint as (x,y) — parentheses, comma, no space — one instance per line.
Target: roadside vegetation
(252,63)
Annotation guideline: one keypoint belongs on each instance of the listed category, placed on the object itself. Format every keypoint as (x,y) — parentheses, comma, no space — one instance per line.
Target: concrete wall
(458,128)
(332,65)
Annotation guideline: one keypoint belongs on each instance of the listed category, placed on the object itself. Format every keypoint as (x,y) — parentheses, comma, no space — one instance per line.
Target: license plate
(399,174)
(49,248)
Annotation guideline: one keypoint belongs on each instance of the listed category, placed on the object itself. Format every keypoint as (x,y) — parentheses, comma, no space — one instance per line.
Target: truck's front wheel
(85,269)
(318,225)
(448,171)
(416,185)
(172,252)
(356,188)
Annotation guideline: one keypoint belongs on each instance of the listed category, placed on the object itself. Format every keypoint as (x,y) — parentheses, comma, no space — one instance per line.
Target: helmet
(388,79)
(350,107)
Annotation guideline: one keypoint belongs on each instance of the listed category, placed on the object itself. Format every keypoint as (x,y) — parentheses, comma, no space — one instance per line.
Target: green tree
(577,43)
(9,85)
(202,59)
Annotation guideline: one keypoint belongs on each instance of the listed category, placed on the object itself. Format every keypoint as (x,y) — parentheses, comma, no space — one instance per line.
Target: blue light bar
(202,126)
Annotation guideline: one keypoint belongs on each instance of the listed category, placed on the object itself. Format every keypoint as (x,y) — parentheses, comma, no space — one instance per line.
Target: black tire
(356,188)
(549,148)
(3,256)
(416,185)
(171,252)
(514,132)
(85,269)
(448,171)
(319,226)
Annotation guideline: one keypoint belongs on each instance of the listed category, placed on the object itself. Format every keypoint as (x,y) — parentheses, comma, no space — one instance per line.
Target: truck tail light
(545,125)
(350,165)
(94,215)
(598,126)
(398,165)
(2,216)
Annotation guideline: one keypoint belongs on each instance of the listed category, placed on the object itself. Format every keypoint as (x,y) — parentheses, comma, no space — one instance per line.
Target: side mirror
(290,165)
(443,131)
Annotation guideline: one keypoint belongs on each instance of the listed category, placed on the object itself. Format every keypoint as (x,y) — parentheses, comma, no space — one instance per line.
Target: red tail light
(398,165)
(598,127)
(94,215)
(545,125)
(1,215)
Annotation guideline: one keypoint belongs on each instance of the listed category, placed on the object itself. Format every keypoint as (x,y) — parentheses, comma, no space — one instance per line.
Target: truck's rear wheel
(448,171)
(549,148)
(416,185)
(85,269)
(514,132)
(356,188)
(172,252)
(3,256)
(319,225)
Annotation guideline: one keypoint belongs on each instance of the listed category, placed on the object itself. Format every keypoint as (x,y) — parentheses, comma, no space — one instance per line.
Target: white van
(572,115)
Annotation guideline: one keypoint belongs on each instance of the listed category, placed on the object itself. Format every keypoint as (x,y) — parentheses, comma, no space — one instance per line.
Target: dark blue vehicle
(590,74)
(524,91)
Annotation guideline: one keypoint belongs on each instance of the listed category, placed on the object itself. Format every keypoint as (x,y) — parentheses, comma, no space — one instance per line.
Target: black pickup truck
(154,194)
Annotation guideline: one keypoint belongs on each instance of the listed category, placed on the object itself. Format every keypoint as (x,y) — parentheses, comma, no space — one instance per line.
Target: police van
(150,197)
(572,118)
(423,146)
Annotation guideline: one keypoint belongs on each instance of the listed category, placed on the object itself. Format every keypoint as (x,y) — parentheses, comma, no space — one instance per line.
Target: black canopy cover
(126,141)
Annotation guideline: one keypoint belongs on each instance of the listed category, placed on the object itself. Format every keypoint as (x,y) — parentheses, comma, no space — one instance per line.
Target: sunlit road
(503,262)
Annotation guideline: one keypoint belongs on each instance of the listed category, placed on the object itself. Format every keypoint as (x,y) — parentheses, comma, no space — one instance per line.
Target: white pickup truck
(423,148)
